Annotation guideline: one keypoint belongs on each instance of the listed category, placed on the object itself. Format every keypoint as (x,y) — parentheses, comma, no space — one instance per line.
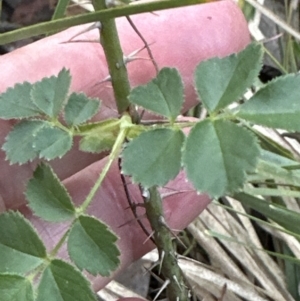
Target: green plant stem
(176,289)
(114,56)
(275,61)
(106,14)
(60,9)
(54,251)
(38,270)
(125,125)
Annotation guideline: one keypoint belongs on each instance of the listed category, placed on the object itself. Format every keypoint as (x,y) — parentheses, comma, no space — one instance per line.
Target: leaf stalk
(112,156)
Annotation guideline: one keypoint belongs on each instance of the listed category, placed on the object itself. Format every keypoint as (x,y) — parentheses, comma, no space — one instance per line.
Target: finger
(227,33)
(182,37)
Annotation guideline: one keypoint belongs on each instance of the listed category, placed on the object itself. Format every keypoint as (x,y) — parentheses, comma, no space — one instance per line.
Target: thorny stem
(176,290)
(110,42)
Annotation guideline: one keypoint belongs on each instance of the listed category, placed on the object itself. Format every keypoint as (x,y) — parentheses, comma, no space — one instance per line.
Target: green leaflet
(51,142)
(163,95)
(276,105)
(92,246)
(32,138)
(50,94)
(217,155)
(80,108)
(46,137)
(21,249)
(16,288)
(16,102)
(153,158)
(61,281)
(221,81)
(19,142)
(47,196)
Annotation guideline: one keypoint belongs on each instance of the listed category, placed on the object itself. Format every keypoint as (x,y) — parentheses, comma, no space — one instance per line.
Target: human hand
(182,38)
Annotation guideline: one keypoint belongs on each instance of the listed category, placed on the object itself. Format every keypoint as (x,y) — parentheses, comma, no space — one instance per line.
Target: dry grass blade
(114,290)
(201,276)
(235,252)
(87,5)
(282,24)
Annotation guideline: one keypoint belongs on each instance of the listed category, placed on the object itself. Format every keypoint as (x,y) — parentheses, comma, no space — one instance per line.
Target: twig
(145,43)
(132,205)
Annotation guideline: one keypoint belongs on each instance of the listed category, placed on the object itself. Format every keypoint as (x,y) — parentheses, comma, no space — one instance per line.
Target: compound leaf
(92,246)
(99,136)
(275,105)
(16,288)
(21,249)
(19,142)
(217,156)
(62,281)
(51,142)
(47,196)
(221,81)
(16,102)
(80,108)
(153,158)
(51,93)
(163,95)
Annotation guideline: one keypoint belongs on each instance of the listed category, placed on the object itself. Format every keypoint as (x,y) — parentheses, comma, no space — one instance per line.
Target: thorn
(136,58)
(93,26)
(161,261)
(105,80)
(149,270)
(146,194)
(163,222)
(126,59)
(80,41)
(166,283)
(149,236)
(176,280)
(132,56)
(157,278)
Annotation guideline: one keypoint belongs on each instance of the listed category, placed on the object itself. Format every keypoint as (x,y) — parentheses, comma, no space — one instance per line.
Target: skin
(182,38)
